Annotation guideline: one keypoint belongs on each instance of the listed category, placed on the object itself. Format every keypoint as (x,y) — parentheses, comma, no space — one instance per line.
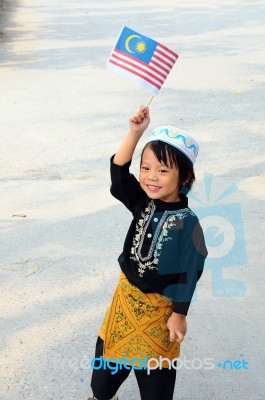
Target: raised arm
(138,124)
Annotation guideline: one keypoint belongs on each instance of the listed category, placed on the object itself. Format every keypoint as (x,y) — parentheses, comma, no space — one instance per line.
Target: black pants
(158,385)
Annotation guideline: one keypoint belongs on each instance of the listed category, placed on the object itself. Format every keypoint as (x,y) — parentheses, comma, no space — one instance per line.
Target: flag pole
(149,102)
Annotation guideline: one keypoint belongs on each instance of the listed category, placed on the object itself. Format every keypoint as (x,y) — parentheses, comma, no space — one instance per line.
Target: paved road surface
(62,116)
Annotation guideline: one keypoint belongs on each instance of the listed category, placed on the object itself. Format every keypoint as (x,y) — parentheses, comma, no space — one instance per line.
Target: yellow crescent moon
(127,42)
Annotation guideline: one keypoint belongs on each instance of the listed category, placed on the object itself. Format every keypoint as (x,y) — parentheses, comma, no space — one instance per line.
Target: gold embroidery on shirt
(160,236)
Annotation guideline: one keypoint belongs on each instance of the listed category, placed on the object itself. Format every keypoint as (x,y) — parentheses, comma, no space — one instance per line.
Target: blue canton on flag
(135,45)
(142,58)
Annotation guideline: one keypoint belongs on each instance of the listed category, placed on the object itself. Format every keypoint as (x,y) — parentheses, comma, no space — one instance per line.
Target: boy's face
(157,180)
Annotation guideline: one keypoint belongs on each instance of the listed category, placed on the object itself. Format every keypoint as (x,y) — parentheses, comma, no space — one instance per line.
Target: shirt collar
(177,205)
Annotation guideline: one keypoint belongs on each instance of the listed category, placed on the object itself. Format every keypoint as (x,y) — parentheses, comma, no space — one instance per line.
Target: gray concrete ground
(62,116)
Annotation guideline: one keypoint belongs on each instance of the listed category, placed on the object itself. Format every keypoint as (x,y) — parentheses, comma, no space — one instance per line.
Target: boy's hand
(138,124)
(177,327)
(140,120)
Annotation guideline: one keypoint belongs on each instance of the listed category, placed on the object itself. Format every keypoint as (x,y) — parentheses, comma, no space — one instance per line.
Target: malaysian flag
(142,58)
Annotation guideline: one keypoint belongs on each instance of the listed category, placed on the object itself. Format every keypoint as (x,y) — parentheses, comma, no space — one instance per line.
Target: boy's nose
(152,177)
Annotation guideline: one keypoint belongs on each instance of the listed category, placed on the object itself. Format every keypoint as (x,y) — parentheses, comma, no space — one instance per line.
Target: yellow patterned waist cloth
(135,326)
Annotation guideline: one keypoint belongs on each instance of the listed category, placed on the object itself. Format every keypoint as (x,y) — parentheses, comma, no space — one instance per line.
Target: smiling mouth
(153,188)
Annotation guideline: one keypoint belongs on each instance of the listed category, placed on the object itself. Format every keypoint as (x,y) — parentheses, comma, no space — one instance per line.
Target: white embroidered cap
(177,138)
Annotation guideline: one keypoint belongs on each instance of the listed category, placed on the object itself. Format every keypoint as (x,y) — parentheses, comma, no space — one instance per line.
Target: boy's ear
(187,179)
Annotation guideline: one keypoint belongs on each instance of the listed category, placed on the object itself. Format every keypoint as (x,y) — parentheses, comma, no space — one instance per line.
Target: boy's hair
(171,156)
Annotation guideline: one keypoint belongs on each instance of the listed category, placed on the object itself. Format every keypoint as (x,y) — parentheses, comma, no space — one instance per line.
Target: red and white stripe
(153,73)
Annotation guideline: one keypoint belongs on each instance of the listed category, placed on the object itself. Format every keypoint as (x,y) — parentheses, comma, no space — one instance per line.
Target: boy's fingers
(179,336)
(143,108)
(176,336)
(134,119)
(172,336)
(138,117)
(142,114)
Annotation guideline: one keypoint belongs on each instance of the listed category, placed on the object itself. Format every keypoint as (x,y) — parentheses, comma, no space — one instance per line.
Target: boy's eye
(163,170)
(145,168)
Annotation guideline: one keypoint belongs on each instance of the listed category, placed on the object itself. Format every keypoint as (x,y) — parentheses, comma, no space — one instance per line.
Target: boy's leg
(104,384)
(159,385)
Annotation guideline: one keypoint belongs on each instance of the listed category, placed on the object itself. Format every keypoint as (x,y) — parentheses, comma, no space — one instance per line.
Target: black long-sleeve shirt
(164,250)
